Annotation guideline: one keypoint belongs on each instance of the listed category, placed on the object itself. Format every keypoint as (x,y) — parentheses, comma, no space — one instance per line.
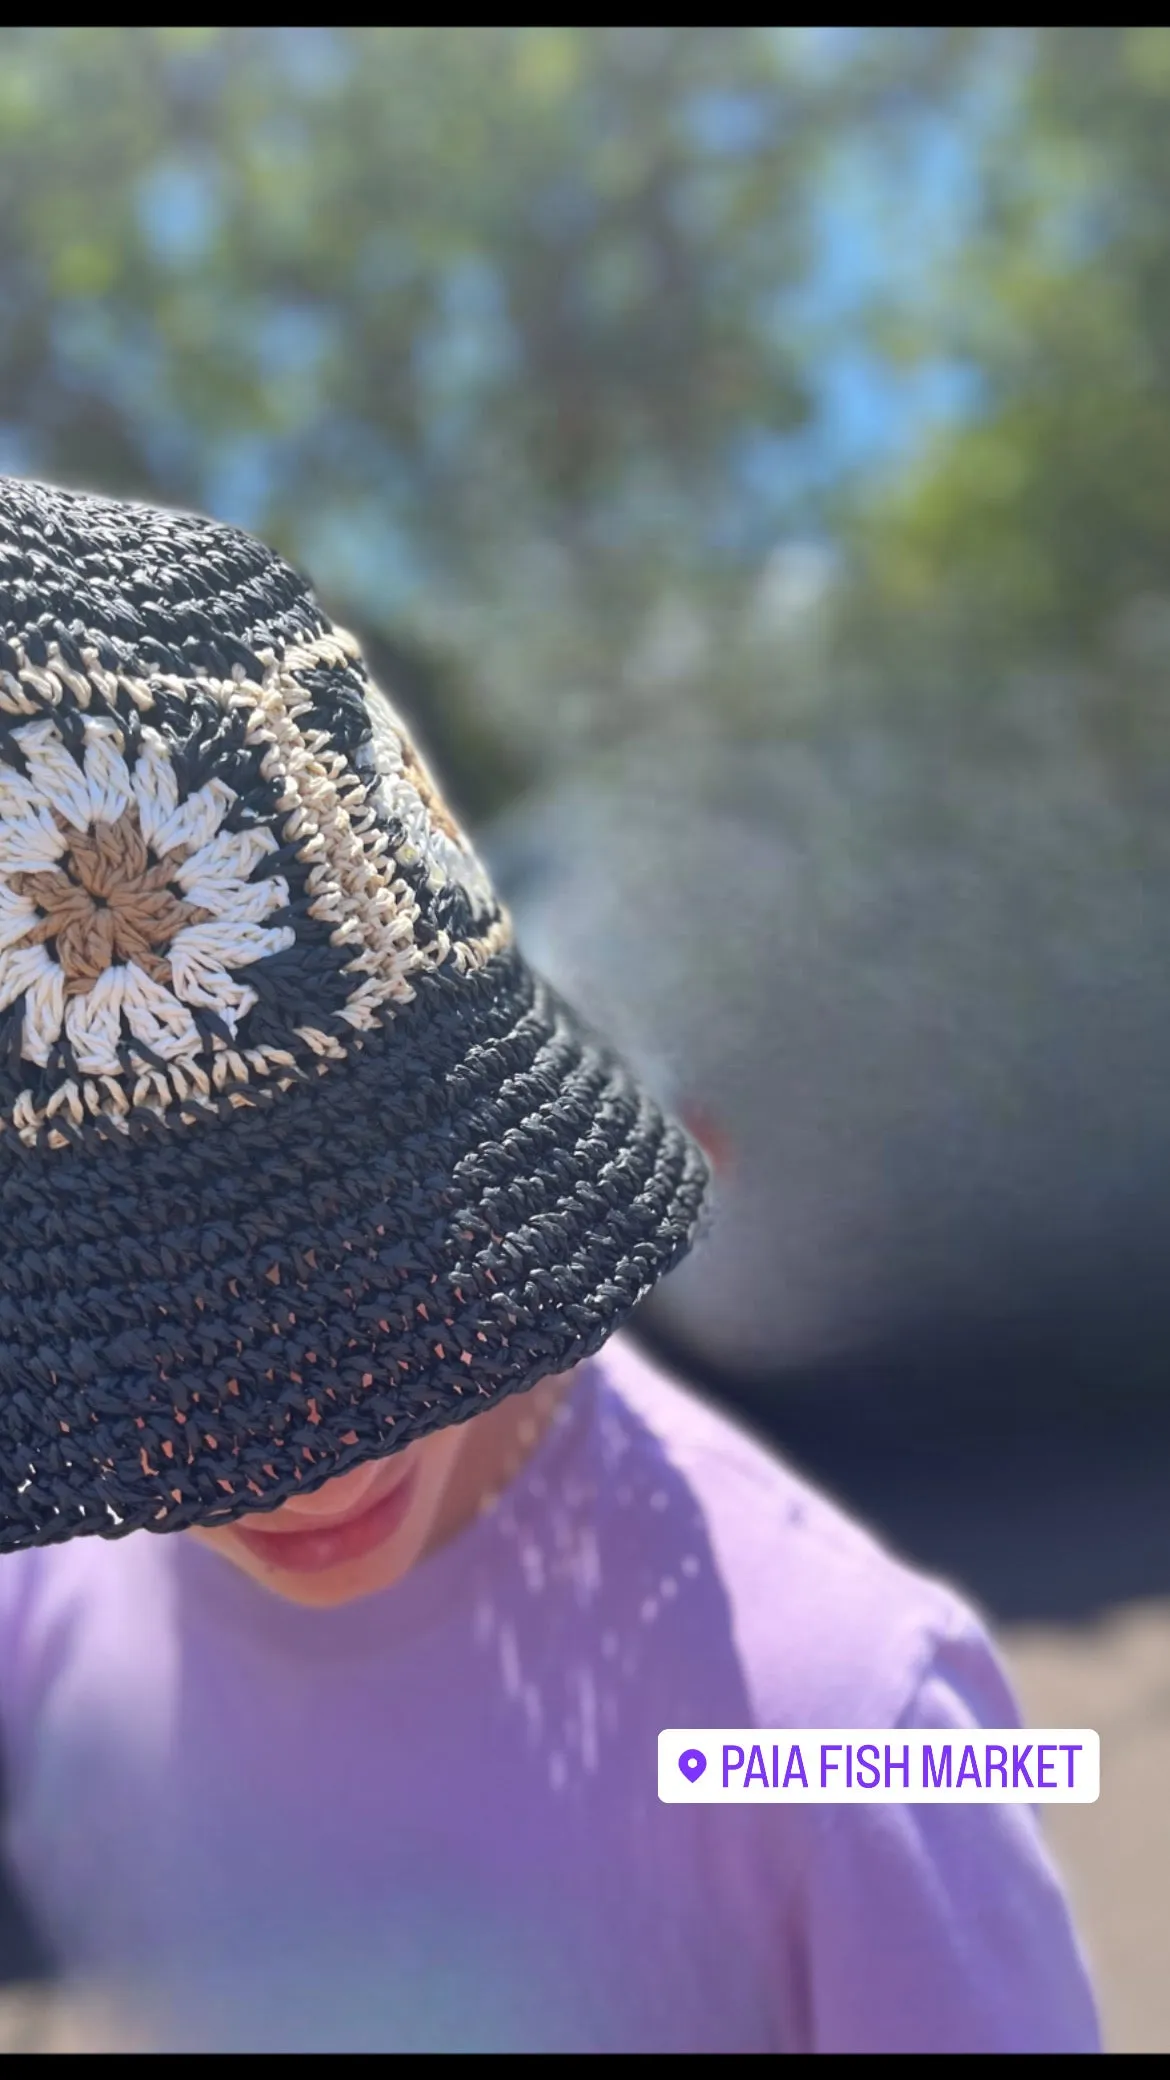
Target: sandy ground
(1113,1673)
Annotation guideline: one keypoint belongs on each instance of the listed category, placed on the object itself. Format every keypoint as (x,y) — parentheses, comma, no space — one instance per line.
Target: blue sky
(886,225)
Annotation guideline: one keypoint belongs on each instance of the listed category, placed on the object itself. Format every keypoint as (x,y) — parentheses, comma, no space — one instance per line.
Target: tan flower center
(106,902)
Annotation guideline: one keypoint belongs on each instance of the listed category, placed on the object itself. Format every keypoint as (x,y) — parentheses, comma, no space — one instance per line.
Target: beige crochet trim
(122,908)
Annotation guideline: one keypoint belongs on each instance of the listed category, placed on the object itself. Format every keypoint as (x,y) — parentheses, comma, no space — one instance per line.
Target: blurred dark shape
(25,1963)
(913,981)
(483,770)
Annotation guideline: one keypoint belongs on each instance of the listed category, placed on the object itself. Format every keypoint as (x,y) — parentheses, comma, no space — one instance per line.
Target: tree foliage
(511,337)
(1040,529)
(482,325)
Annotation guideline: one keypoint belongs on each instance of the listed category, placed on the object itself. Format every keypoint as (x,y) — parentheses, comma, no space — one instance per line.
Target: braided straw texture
(298,1159)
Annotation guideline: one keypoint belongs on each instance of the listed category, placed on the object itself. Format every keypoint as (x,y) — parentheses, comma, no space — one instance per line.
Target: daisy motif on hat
(124,911)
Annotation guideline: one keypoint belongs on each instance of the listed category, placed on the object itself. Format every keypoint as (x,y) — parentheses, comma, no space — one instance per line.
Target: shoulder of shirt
(46,1591)
(831,1628)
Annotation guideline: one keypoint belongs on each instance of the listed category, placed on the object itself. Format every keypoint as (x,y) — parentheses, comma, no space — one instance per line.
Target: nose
(337,1496)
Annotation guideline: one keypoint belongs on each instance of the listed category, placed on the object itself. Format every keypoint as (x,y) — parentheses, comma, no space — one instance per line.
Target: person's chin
(337,1585)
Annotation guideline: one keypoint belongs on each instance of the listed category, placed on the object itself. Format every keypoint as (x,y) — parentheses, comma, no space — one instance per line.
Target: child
(302,1169)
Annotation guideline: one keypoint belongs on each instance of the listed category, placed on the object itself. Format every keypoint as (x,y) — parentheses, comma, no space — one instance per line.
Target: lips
(335,1543)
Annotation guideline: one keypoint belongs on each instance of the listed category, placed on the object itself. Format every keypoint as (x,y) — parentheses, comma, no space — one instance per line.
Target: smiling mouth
(335,1542)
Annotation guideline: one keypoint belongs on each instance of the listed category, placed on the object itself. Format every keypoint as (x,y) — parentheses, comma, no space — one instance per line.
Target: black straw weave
(298,1159)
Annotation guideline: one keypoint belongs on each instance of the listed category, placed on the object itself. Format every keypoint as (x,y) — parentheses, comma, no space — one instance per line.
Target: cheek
(435,1463)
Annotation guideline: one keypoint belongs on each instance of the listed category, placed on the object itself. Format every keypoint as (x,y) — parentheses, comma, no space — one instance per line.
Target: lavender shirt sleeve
(941,1928)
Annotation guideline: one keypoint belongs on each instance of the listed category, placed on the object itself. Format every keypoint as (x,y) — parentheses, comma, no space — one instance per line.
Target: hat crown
(223,863)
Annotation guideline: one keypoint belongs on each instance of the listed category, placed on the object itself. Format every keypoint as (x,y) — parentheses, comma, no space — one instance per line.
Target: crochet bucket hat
(299,1161)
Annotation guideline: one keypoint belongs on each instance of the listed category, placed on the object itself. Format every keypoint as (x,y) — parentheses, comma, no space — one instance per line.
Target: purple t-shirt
(429,1820)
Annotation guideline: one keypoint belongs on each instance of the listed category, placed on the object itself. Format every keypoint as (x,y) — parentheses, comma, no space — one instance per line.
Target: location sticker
(885,1765)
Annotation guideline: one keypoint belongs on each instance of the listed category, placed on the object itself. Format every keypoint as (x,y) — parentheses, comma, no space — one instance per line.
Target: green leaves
(1042,523)
(517,337)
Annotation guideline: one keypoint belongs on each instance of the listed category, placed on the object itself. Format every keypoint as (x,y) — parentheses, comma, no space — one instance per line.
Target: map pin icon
(692,1763)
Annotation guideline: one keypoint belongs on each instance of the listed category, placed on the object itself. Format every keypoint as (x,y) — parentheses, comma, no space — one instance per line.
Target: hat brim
(197,1324)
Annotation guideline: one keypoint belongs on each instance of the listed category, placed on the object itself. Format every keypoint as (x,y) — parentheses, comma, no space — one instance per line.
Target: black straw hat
(299,1161)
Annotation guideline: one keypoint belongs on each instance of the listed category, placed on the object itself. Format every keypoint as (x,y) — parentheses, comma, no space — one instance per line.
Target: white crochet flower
(409,794)
(121,908)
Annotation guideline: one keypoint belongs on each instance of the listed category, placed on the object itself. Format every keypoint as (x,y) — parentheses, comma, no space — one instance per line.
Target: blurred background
(744,455)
